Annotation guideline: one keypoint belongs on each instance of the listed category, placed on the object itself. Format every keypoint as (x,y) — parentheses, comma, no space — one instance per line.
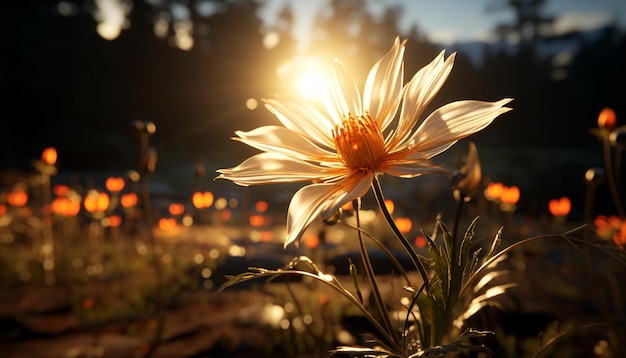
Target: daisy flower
(341,148)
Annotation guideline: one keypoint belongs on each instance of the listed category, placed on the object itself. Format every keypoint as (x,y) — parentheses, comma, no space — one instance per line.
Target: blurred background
(74,74)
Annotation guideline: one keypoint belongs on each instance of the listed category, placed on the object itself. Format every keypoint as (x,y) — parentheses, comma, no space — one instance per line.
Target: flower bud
(49,155)
(607,118)
(466,181)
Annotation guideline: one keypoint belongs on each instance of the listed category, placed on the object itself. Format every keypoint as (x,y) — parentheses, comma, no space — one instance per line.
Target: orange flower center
(359,142)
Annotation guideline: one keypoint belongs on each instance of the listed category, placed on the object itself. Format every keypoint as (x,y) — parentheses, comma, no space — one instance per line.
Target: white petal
(431,152)
(383,87)
(351,188)
(306,207)
(318,201)
(266,168)
(418,94)
(341,96)
(413,170)
(282,140)
(452,122)
(305,120)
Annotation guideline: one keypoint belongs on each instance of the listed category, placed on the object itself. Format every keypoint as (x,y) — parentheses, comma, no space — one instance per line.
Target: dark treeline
(67,87)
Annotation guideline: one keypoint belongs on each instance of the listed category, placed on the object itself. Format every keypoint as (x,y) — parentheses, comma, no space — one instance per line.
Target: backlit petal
(383,88)
(418,93)
(265,168)
(352,187)
(452,122)
(412,170)
(318,201)
(282,140)
(341,96)
(303,119)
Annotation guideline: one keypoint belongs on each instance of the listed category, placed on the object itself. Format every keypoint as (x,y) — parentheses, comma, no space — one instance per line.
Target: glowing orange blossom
(611,227)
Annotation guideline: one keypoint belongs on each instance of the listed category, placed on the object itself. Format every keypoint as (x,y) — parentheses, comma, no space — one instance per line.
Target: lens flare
(310,84)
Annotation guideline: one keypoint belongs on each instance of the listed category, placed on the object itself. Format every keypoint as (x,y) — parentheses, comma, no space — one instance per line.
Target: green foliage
(452,266)
(431,311)
(461,281)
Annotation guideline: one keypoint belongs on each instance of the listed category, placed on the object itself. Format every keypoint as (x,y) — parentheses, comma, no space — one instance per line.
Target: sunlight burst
(304,75)
(310,83)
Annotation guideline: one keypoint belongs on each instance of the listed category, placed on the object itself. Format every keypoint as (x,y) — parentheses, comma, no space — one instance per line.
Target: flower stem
(611,177)
(403,240)
(318,339)
(156,259)
(369,271)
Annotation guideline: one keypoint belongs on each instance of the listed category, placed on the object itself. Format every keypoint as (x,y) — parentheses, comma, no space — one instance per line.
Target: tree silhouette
(529,22)
(72,89)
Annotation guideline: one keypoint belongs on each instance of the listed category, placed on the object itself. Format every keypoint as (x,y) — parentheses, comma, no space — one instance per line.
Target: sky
(449,21)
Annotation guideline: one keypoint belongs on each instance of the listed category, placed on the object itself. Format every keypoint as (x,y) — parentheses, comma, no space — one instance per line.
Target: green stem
(48,236)
(390,255)
(455,244)
(409,314)
(156,262)
(495,258)
(618,170)
(558,337)
(454,282)
(405,243)
(611,177)
(454,279)
(369,271)
(590,194)
(319,341)
(334,284)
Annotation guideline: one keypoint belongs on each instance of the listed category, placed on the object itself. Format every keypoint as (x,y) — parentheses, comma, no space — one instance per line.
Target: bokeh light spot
(251,104)
(271,40)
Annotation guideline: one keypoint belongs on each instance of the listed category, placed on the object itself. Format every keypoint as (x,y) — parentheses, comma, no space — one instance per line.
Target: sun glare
(310,83)
(303,75)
